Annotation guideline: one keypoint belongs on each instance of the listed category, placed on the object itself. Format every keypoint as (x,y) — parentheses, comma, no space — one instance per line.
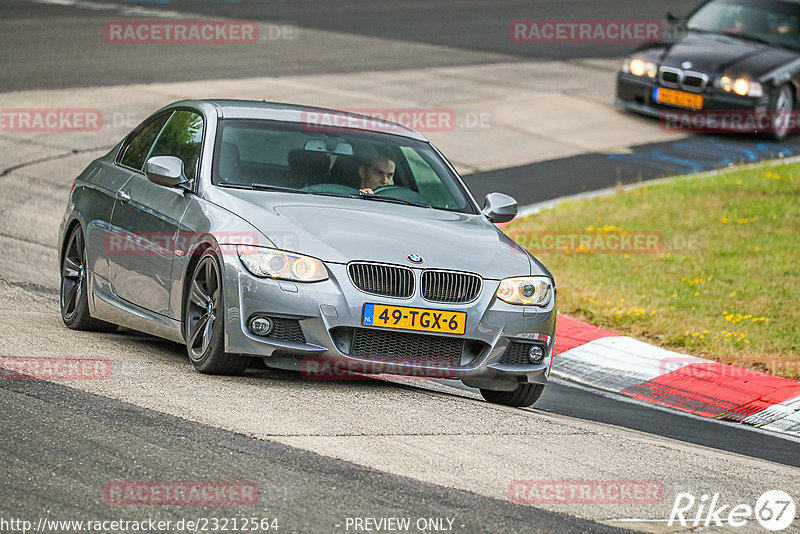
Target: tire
(525,395)
(781,106)
(204,321)
(74,301)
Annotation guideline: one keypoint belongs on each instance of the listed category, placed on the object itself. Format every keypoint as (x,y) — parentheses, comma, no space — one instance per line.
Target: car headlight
(529,291)
(640,67)
(273,263)
(742,86)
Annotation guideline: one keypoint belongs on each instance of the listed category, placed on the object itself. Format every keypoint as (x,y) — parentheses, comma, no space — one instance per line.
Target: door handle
(123,196)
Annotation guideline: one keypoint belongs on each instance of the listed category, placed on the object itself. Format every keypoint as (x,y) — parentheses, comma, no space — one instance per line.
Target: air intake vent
(399,347)
(287,330)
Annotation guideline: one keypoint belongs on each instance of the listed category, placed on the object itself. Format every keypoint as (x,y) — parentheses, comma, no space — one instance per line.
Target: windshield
(288,157)
(772,22)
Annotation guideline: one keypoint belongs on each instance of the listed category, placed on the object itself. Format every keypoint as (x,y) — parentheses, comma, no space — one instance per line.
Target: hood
(340,230)
(719,54)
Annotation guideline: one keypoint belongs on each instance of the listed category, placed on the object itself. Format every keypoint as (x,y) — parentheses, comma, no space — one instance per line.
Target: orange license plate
(680,99)
(441,321)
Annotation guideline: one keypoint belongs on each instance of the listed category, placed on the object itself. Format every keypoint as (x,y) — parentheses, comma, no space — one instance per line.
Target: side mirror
(499,208)
(166,171)
(672,18)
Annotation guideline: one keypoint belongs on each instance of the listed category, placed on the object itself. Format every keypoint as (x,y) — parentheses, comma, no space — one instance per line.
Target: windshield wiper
(233,186)
(703,30)
(367,196)
(270,187)
(748,37)
(339,195)
(262,187)
(744,36)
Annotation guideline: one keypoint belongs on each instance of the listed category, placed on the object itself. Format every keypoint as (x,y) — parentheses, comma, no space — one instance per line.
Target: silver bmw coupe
(321,241)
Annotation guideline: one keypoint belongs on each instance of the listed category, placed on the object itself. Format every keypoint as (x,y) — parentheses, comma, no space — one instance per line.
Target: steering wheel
(386,188)
(336,189)
(400,193)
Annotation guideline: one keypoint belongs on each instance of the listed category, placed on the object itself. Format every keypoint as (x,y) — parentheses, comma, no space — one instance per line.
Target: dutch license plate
(678,98)
(441,321)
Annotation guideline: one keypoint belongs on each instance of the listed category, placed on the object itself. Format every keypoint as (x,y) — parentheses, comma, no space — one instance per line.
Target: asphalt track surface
(90,439)
(70,51)
(552,179)
(468,24)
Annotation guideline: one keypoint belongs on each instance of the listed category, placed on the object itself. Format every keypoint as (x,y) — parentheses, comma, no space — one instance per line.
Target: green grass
(724,282)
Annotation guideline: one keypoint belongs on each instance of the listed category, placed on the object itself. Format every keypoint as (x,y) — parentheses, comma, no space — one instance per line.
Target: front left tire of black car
(781,106)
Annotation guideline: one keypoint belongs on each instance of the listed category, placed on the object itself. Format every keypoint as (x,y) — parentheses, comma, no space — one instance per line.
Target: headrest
(308,163)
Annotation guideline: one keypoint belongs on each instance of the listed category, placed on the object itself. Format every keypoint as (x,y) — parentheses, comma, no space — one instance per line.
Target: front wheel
(204,321)
(73,297)
(781,107)
(525,395)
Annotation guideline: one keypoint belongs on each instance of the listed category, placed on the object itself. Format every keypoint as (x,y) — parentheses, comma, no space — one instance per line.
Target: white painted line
(120,8)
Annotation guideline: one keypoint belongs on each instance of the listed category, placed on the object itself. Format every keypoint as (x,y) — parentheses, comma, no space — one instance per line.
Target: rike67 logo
(774,510)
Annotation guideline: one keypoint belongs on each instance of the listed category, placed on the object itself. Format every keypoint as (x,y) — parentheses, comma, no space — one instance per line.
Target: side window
(182,137)
(139,146)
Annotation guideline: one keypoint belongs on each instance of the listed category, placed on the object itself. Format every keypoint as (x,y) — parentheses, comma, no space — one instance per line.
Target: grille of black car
(448,287)
(383,280)
(286,330)
(670,78)
(403,347)
(687,80)
(693,82)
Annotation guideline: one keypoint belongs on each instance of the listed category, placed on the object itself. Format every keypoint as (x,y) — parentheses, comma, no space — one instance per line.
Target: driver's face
(378,173)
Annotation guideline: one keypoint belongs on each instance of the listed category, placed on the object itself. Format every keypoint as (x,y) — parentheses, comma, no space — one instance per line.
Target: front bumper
(329,315)
(635,93)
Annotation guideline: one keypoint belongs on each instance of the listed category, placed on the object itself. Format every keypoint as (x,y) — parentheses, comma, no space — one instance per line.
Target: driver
(748,22)
(377,171)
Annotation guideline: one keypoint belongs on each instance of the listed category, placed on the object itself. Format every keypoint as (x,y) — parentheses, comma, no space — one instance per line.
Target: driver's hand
(367,190)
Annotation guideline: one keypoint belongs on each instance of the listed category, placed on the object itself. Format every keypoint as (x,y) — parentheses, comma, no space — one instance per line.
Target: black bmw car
(734,64)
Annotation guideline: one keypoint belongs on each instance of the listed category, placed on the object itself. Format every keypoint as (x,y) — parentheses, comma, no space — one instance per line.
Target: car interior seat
(307,167)
(345,172)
